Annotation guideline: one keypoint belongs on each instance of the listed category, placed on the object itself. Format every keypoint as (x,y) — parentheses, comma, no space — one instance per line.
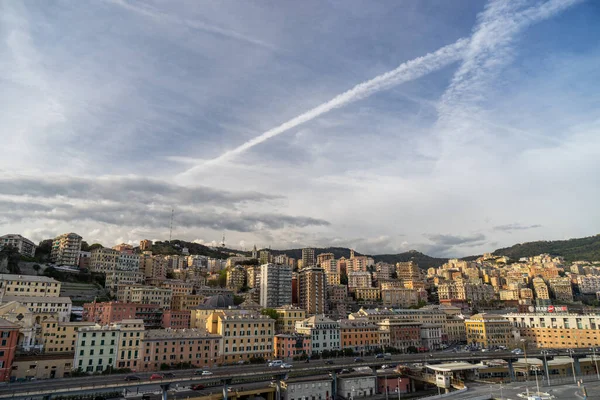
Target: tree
(10,255)
(237,300)
(222,278)
(96,246)
(343,279)
(270,312)
(42,252)
(36,268)
(85,246)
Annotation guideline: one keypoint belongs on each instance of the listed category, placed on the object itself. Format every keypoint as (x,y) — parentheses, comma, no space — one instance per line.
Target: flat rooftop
(455,366)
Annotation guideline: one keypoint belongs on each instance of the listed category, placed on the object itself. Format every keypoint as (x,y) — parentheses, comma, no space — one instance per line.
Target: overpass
(242,374)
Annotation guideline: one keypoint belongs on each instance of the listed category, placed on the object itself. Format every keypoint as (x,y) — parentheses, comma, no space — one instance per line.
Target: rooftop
(37,299)
(27,278)
(455,366)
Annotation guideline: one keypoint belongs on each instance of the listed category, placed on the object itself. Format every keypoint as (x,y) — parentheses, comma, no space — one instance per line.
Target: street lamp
(596,362)
(571,352)
(545,353)
(399,380)
(537,382)
(352,397)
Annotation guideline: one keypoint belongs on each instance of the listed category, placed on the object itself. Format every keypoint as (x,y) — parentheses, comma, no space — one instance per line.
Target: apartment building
(312,289)
(176,319)
(174,347)
(28,285)
(289,345)
(384,271)
(23,245)
(287,317)
(560,330)
(116,345)
(485,330)
(371,294)
(61,337)
(186,302)
(246,335)
(588,284)
(104,260)
(399,334)
(324,333)
(178,287)
(119,277)
(561,288)
(145,295)
(128,261)
(454,330)
(9,334)
(145,245)
(359,279)
(308,258)
(408,270)
(359,335)
(541,289)
(65,249)
(399,297)
(236,277)
(153,267)
(275,285)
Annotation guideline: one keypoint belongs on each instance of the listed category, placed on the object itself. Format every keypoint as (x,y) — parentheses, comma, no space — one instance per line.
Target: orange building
(359,335)
(290,345)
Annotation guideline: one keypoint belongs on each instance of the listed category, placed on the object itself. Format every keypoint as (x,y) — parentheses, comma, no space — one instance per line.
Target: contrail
(509,22)
(407,71)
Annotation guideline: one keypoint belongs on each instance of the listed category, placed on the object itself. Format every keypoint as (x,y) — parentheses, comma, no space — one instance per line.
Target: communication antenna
(171,226)
(223,241)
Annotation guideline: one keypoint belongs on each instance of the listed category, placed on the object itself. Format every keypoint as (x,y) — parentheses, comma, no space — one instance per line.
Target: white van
(275,363)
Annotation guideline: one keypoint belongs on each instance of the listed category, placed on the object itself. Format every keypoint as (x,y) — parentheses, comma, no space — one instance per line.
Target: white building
(307,388)
(588,284)
(25,246)
(275,285)
(353,386)
(116,345)
(431,336)
(324,333)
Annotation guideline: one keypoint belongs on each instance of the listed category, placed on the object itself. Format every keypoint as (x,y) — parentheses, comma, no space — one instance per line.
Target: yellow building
(236,277)
(558,330)
(42,366)
(29,285)
(186,302)
(61,337)
(541,289)
(246,334)
(178,287)
(399,297)
(367,293)
(145,295)
(485,330)
(288,316)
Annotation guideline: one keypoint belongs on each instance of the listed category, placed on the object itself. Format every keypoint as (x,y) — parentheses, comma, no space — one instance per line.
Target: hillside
(423,260)
(587,248)
(175,246)
(338,252)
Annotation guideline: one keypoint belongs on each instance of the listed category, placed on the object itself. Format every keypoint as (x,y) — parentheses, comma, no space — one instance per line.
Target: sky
(448,127)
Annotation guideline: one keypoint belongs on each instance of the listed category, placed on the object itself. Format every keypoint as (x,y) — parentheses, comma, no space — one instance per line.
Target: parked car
(275,363)
(380,355)
(168,375)
(286,366)
(241,362)
(132,378)
(155,377)
(358,359)
(198,386)
(329,362)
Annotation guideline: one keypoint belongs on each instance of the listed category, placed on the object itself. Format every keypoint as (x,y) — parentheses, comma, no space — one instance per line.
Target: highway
(250,373)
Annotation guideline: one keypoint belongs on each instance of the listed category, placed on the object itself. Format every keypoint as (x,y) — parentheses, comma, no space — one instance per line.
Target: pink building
(393,382)
(290,345)
(9,334)
(176,319)
(115,311)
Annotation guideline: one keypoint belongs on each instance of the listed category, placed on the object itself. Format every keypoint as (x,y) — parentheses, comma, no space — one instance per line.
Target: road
(262,372)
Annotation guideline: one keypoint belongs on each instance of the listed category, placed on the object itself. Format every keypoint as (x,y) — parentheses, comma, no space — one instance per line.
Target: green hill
(423,260)
(587,248)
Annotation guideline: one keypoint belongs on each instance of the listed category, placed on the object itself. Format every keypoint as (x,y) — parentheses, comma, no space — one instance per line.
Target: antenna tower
(171,226)
(223,241)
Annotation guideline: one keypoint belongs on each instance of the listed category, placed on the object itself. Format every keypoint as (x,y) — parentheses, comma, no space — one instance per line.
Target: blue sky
(477,124)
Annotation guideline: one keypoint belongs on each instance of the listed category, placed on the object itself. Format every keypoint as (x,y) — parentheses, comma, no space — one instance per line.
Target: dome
(218,301)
